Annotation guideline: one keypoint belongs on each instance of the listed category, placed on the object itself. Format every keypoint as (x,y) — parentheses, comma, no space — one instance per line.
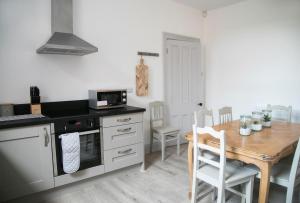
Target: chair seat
(280,173)
(234,175)
(166,130)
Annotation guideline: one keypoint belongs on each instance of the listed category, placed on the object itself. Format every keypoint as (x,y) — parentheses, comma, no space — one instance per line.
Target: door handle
(124,120)
(125,151)
(124,130)
(200,104)
(47,139)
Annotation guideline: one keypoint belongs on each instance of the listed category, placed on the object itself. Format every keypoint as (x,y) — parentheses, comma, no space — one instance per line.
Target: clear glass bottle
(257,120)
(267,118)
(245,125)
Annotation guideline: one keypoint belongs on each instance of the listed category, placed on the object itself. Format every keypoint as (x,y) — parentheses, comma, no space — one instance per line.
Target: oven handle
(85,133)
(47,139)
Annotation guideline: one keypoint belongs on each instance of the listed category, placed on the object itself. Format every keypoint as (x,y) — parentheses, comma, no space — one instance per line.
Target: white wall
(119,28)
(253,55)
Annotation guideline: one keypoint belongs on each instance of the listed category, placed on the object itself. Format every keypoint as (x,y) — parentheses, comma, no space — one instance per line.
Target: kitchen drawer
(123,135)
(122,119)
(123,156)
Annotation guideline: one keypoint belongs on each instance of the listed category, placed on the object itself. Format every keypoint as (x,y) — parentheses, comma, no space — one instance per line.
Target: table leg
(190,167)
(265,170)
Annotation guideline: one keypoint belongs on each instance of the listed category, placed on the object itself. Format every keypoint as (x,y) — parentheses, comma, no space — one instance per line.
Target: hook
(142,60)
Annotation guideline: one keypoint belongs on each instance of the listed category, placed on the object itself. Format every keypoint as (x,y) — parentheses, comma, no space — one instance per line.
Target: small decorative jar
(245,125)
(267,118)
(257,120)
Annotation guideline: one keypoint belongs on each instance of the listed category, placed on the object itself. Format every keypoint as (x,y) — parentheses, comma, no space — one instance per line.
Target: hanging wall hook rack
(148,54)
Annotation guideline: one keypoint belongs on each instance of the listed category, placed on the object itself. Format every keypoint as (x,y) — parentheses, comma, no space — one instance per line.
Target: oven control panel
(76,125)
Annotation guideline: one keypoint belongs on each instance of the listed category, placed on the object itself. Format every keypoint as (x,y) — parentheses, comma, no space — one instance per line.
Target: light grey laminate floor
(163,182)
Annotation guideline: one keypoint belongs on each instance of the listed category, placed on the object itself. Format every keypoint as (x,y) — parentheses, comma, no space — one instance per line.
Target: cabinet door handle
(47,139)
(124,120)
(124,130)
(125,151)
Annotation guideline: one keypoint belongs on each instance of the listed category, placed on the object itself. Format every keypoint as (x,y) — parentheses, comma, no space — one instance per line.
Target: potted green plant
(267,121)
(245,123)
(257,119)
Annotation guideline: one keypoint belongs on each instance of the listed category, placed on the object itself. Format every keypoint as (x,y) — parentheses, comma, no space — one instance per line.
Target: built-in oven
(91,147)
(105,99)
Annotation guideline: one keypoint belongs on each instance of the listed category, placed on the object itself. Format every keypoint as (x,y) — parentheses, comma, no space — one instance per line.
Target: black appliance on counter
(90,142)
(35,95)
(107,99)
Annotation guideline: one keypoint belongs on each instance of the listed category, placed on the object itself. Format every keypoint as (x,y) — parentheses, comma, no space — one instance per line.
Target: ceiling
(208,4)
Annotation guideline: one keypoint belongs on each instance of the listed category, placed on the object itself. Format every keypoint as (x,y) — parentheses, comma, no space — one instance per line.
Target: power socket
(129,90)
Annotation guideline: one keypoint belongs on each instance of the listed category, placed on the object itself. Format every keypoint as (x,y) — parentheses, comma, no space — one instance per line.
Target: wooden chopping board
(142,79)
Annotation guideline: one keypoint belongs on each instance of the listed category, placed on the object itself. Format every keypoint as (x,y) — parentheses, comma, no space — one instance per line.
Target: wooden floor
(163,182)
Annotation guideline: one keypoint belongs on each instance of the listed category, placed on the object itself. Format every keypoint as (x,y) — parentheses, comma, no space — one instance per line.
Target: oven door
(90,150)
(113,98)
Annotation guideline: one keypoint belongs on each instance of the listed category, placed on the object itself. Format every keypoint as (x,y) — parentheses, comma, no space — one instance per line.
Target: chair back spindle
(225,115)
(157,114)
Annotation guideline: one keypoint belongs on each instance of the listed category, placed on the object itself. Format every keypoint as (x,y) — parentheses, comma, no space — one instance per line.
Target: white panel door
(184,83)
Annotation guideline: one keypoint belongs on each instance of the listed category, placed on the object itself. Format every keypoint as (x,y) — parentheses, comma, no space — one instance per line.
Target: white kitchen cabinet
(124,119)
(123,156)
(124,135)
(25,161)
(123,140)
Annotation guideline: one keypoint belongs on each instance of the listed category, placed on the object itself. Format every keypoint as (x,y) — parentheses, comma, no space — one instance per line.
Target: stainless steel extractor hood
(63,41)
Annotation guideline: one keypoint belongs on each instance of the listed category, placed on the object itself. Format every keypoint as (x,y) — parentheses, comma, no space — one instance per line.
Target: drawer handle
(124,120)
(125,151)
(124,130)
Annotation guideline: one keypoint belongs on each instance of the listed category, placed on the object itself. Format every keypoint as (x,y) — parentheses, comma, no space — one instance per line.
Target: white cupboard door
(184,83)
(26,161)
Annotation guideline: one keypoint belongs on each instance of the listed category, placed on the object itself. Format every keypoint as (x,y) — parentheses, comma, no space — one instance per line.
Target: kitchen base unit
(26,161)
(90,146)
(31,156)
(123,141)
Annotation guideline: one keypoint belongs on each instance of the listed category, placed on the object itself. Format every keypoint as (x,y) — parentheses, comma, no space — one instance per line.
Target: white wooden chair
(225,115)
(285,173)
(281,113)
(207,115)
(210,114)
(159,130)
(218,173)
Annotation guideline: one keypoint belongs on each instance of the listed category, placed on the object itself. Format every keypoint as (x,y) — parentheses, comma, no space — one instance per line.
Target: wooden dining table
(263,149)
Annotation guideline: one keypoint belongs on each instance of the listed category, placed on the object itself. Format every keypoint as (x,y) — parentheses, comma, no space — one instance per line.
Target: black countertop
(47,120)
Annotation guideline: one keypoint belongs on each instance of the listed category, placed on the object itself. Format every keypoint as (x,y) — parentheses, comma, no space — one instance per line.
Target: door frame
(167,36)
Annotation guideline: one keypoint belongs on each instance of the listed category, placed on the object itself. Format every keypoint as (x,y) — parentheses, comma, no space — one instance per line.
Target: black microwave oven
(105,99)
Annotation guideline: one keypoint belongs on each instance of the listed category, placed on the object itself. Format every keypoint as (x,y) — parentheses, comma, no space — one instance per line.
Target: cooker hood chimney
(63,41)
